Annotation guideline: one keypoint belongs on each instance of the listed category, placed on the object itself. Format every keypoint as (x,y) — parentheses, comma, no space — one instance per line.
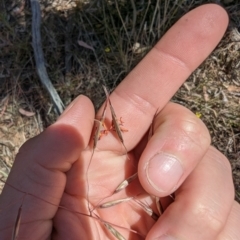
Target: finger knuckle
(220,159)
(194,131)
(208,218)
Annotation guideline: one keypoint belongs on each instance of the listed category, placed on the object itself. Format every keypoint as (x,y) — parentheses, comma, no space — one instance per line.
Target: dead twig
(39,58)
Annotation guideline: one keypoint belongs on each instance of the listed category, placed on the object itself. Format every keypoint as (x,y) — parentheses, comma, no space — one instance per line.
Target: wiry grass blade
(114,120)
(95,141)
(17,224)
(115,202)
(125,183)
(114,232)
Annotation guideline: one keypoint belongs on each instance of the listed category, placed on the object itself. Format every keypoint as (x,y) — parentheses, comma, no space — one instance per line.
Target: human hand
(51,168)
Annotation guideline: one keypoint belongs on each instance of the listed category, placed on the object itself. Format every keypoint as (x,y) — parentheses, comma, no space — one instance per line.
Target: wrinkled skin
(177,158)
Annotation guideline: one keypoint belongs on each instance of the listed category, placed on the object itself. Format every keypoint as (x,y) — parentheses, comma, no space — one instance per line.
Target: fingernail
(163,172)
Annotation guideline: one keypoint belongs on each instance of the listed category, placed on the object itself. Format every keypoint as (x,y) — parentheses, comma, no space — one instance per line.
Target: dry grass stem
(5,103)
(97,136)
(93,216)
(5,175)
(17,224)
(125,183)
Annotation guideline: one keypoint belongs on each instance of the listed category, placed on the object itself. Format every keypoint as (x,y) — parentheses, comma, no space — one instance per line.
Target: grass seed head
(114,232)
(125,183)
(115,202)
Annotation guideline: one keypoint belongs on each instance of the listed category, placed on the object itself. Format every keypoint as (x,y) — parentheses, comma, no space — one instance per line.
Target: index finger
(153,82)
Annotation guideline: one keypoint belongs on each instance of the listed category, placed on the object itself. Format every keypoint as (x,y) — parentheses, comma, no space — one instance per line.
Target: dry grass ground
(86,40)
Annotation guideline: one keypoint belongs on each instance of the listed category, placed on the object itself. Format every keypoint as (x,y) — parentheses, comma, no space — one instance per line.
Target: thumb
(179,142)
(38,174)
